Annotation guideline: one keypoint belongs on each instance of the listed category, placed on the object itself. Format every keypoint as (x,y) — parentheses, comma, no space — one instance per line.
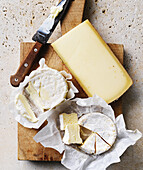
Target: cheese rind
(51,87)
(66,119)
(94,144)
(72,134)
(101,145)
(92,63)
(24,108)
(101,124)
(89,145)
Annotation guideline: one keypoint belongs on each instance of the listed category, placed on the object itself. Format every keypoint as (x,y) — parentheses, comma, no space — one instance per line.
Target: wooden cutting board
(28,149)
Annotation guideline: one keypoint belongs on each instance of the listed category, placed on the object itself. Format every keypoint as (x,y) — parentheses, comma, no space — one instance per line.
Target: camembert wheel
(103,133)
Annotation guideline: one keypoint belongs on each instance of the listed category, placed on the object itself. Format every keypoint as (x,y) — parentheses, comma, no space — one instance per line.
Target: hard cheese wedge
(92,63)
(66,119)
(72,134)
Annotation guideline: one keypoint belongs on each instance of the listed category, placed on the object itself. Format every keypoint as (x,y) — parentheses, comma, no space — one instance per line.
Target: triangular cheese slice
(108,136)
(101,145)
(89,145)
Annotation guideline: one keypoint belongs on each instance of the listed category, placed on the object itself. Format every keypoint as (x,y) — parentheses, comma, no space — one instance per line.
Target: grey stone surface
(118,21)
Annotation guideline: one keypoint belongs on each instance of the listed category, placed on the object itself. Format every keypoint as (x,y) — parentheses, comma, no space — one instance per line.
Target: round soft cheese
(103,127)
(51,87)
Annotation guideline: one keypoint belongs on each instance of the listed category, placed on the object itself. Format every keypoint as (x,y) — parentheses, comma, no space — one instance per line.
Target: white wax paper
(41,117)
(75,159)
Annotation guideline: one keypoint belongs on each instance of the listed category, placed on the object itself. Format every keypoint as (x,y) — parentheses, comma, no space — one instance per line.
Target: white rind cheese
(102,125)
(24,108)
(72,134)
(34,96)
(101,145)
(51,87)
(66,119)
(94,144)
(89,145)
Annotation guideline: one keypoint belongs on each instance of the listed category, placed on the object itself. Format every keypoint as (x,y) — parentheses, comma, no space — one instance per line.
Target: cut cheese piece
(72,134)
(25,109)
(101,124)
(89,145)
(94,144)
(66,119)
(34,96)
(101,145)
(92,63)
(108,136)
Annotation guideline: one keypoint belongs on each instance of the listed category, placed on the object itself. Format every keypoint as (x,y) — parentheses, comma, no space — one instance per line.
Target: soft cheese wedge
(94,144)
(72,134)
(101,124)
(101,145)
(66,119)
(89,145)
(92,63)
(24,108)
(34,96)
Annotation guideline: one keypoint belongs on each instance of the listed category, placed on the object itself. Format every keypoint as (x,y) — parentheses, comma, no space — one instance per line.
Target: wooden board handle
(26,65)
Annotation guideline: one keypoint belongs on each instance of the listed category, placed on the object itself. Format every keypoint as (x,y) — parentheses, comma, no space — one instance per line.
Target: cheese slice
(101,124)
(94,144)
(66,119)
(34,96)
(25,109)
(89,145)
(72,134)
(92,63)
(101,145)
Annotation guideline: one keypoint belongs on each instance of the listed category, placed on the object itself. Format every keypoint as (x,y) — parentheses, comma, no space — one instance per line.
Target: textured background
(118,21)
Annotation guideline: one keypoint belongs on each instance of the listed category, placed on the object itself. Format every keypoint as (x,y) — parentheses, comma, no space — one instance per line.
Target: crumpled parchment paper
(75,159)
(42,117)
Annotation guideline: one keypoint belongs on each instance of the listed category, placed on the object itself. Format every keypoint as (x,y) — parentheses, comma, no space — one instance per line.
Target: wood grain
(74,17)
(28,149)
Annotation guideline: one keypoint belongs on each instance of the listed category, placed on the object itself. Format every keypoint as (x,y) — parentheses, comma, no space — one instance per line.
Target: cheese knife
(41,37)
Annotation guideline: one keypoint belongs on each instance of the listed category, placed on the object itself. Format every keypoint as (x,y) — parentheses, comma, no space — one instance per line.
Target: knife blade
(41,37)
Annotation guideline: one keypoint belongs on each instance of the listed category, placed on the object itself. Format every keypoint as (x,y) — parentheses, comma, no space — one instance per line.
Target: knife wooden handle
(24,68)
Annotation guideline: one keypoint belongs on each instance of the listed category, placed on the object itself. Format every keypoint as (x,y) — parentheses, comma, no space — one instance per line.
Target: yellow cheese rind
(92,63)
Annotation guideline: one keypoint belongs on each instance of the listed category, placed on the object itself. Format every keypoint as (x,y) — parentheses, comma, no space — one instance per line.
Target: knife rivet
(35,50)
(25,64)
(16,79)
